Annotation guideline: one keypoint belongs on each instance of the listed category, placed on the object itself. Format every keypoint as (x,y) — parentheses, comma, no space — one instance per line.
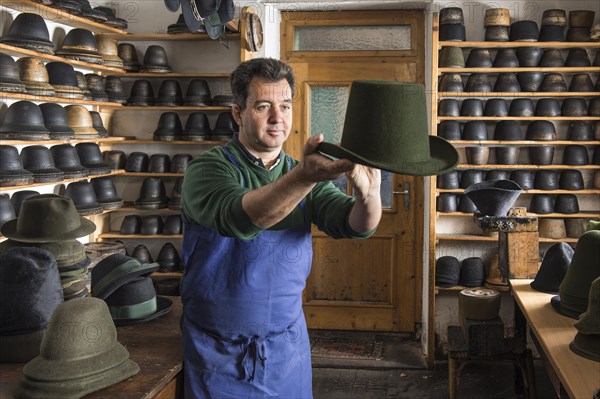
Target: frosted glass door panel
(352,38)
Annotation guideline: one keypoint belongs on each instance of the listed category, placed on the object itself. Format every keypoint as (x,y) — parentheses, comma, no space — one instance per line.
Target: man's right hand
(315,167)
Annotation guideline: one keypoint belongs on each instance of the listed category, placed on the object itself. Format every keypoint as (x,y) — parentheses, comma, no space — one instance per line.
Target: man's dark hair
(267,68)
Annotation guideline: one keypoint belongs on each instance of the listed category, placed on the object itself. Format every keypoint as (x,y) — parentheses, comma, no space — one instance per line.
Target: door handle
(406,193)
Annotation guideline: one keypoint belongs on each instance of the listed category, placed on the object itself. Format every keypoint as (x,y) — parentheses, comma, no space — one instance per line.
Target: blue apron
(244,332)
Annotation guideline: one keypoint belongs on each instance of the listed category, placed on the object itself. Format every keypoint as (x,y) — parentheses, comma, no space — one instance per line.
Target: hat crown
(29,25)
(80,39)
(61,73)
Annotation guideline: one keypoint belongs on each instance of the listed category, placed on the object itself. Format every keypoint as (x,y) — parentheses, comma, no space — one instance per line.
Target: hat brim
(555,302)
(163,306)
(443,158)
(144,269)
(87,227)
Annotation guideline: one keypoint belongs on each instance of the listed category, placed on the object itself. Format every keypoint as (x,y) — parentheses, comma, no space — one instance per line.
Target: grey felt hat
(71,365)
(396,117)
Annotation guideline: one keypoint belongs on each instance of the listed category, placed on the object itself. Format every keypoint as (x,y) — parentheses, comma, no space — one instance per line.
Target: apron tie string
(253,349)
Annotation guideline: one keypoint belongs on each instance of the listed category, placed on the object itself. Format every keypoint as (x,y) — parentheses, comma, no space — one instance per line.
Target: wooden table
(552,333)
(155,346)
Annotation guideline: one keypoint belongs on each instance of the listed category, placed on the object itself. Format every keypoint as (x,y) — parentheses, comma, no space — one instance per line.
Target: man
(247,245)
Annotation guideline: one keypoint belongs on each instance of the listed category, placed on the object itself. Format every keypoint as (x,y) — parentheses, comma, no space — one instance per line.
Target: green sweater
(213,190)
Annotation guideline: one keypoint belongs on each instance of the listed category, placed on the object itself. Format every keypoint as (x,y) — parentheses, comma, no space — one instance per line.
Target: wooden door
(374,284)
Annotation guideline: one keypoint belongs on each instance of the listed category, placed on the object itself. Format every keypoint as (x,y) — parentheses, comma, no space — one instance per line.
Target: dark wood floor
(485,381)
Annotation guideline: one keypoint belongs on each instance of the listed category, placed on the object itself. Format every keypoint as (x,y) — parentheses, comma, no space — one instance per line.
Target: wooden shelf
(519,69)
(491,45)
(518,118)
(149,174)
(490,166)
(65,181)
(471,237)
(108,140)
(588,191)
(129,140)
(173,75)
(161,108)
(21,52)
(519,94)
(466,143)
(29,97)
(580,215)
(116,234)
(166,37)
(167,274)
(60,16)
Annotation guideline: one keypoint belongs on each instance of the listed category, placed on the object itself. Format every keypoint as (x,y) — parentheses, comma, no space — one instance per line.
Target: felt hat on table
(30,290)
(587,340)
(84,360)
(554,268)
(386,128)
(115,271)
(573,297)
(47,218)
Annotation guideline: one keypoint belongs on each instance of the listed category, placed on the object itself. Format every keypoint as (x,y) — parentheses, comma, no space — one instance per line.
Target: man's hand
(315,167)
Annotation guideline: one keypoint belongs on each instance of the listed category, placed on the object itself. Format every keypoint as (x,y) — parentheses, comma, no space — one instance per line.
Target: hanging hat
(11,168)
(29,31)
(83,196)
(212,14)
(396,114)
(116,270)
(587,340)
(142,254)
(574,290)
(136,302)
(494,197)
(30,291)
(9,75)
(554,268)
(47,218)
(73,365)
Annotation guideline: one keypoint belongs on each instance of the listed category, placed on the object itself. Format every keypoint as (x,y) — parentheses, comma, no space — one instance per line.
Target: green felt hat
(79,354)
(47,218)
(584,269)
(586,342)
(386,128)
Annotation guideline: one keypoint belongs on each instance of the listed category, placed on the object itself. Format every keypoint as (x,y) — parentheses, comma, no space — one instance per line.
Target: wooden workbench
(552,332)
(155,346)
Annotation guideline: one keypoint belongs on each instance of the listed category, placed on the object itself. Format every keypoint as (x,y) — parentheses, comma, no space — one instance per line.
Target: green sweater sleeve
(212,196)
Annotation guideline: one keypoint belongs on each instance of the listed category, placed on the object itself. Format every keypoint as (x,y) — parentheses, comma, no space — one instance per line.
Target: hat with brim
(136,302)
(68,254)
(47,218)
(386,128)
(116,270)
(212,14)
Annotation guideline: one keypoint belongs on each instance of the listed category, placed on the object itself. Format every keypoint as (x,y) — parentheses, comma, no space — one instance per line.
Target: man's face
(266,122)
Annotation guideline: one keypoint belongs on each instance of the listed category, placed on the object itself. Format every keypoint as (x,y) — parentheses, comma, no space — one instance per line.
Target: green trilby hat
(79,354)
(587,340)
(585,268)
(386,128)
(47,218)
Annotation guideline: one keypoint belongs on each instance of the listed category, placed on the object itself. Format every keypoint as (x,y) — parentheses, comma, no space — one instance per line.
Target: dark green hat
(79,354)
(585,268)
(47,218)
(386,128)
(587,341)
